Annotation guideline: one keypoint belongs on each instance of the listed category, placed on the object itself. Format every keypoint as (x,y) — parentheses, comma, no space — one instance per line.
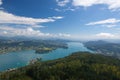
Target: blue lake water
(22,58)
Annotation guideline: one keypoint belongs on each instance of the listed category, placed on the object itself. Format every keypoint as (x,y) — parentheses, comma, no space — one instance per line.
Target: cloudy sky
(69,19)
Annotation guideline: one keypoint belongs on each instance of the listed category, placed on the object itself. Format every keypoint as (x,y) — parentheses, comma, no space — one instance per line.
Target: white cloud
(112,22)
(5,32)
(107,21)
(105,35)
(62,2)
(13,25)
(64,35)
(112,4)
(8,18)
(10,31)
(0,2)
(56,17)
(28,32)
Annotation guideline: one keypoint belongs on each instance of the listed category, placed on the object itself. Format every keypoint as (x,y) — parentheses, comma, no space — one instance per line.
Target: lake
(22,58)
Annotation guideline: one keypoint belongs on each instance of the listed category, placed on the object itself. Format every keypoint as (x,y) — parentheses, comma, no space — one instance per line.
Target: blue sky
(68,19)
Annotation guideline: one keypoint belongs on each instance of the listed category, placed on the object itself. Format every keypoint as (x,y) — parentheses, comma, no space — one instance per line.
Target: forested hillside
(78,66)
(40,46)
(103,47)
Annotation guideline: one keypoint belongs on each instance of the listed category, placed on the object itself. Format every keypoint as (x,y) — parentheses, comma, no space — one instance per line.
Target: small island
(49,49)
(44,50)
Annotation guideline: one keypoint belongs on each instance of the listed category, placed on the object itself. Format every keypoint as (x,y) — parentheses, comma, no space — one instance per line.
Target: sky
(64,19)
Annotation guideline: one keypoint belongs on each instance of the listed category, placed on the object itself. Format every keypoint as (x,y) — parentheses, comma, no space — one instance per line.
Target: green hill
(78,66)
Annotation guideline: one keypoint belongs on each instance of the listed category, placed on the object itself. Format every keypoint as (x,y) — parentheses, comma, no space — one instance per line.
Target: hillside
(78,66)
(39,46)
(103,47)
